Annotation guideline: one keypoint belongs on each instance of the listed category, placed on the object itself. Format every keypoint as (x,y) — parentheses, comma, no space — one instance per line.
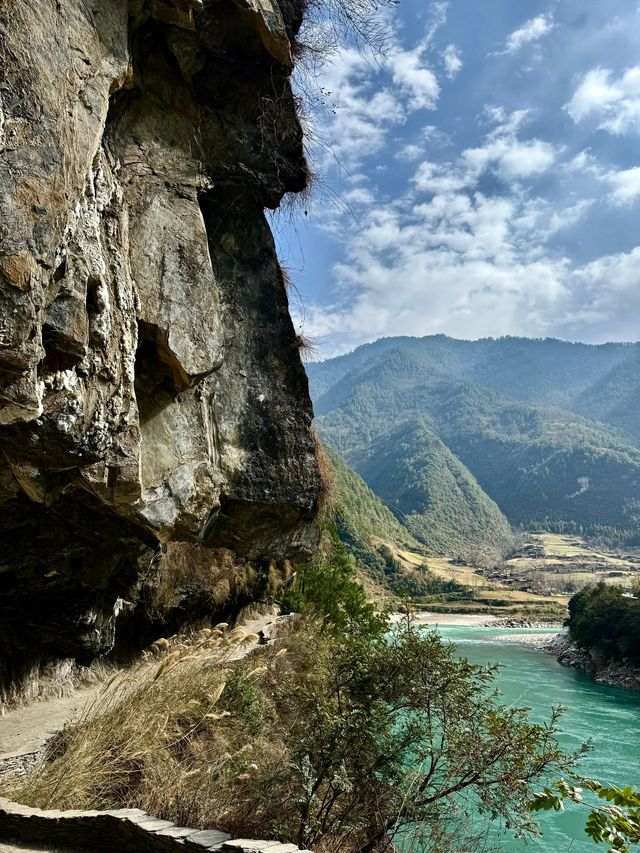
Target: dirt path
(25,729)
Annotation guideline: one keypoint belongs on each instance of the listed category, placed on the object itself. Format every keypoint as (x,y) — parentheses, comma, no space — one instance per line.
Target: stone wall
(121,829)
(151,390)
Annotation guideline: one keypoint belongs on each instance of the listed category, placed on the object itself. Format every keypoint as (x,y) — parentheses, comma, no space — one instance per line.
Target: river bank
(463,620)
(473,620)
(614,673)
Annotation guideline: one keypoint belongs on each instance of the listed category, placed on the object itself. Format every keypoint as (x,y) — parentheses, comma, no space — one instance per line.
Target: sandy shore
(465,620)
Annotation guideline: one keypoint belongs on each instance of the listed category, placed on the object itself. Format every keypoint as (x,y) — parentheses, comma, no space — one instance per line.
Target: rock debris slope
(151,392)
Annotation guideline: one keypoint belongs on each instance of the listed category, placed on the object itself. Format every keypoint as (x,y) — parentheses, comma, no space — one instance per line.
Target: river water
(609,716)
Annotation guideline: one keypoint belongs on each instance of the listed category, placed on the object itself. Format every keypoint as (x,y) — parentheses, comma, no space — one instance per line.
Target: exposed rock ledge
(154,413)
(617,674)
(522,623)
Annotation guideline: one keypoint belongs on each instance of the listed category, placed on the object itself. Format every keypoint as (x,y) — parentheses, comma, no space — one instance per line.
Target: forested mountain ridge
(362,519)
(508,411)
(547,371)
(437,497)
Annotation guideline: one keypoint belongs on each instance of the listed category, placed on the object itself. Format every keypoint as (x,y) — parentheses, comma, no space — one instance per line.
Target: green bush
(606,620)
(390,739)
(327,588)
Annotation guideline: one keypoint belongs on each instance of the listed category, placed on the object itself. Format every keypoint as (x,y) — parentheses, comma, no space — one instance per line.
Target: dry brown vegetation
(162,737)
(326,497)
(215,574)
(324,739)
(200,734)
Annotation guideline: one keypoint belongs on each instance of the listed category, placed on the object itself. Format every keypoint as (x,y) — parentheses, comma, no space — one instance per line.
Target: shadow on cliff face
(63,570)
(270,501)
(151,391)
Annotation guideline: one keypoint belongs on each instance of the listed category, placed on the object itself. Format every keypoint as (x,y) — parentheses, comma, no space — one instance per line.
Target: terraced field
(536,582)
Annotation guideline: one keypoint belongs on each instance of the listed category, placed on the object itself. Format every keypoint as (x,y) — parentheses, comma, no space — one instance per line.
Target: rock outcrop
(615,673)
(151,392)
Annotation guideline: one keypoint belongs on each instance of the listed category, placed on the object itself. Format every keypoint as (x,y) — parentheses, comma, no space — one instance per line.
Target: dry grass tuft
(326,497)
(185,569)
(190,735)
(150,729)
(307,347)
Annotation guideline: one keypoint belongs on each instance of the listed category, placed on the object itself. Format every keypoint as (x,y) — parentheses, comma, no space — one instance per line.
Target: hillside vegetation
(604,619)
(331,736)
(362,519)
(438,499)
(453,433)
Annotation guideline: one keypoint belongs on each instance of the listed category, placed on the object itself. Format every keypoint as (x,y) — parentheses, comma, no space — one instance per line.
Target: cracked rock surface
(151,391)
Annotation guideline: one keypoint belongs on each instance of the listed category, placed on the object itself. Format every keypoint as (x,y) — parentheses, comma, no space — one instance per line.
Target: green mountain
(366,526)
(509,412)
(437,497)
(379,542)
(614,397)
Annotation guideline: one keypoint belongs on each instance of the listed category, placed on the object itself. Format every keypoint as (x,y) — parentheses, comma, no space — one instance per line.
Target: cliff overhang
(151,391)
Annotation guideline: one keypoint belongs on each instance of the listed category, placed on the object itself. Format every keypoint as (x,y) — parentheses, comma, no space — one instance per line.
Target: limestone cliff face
(151,391)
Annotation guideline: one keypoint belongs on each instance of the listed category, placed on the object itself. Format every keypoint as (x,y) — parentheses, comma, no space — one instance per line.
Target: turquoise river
(608,716)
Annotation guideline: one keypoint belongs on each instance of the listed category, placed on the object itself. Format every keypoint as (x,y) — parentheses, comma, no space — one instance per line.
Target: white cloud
(363,113)
(472,266)
(371,97)
(532,30)
(359,196)
(626,185)
(412,76)
(503,154)
(561,220)
(585,162)
(452,60)
(511,158)
(607,294)
(444,256)
(409,153)
(466,246)
(465,263)
(613,102)
(439,178)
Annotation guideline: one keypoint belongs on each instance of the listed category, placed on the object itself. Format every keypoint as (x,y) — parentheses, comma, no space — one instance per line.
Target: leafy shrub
(617,823)
(327,587)
(334,741)
(606,620)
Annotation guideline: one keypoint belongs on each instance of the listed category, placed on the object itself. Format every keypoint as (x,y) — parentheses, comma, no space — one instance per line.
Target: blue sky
(480,178)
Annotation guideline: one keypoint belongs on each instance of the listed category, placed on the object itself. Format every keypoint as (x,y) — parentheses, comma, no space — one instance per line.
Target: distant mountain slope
(438,498)
(362,513)
(545,371)
(541,464)
(615,397)
(366,526)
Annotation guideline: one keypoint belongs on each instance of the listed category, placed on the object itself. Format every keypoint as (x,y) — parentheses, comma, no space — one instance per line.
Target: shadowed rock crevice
(151,393)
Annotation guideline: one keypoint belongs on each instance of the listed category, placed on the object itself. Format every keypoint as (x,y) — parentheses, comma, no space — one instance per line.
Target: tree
(327,588)
(603,619)
(397,740)
(617,824)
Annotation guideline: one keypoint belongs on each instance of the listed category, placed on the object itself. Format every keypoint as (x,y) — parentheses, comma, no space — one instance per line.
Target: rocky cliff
(153,409)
